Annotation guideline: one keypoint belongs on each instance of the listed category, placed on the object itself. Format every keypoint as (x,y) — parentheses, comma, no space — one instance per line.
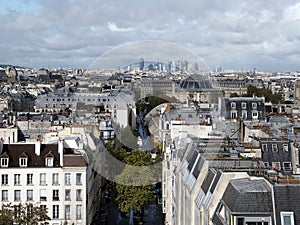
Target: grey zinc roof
(217,220)
(245,196)
(286,198)
(196,83)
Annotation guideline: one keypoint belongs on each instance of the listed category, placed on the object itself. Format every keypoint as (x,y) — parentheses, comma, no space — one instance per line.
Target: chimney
(37,145)
(61,151)
(1,145)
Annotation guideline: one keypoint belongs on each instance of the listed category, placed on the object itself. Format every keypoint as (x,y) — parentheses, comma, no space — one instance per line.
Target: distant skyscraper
(196,67)
(141,63)
(218,69)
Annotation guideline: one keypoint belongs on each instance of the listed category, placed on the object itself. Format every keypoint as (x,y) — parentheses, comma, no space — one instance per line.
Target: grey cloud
(74,32)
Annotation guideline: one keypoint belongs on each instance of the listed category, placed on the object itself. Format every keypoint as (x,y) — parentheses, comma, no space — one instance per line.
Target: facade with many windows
(244,108)
(49,176)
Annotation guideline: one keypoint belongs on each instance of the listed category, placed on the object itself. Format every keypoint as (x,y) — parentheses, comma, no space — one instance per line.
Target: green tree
(23,214)
(232,95)
(135,185)
(146,105)
(260,92)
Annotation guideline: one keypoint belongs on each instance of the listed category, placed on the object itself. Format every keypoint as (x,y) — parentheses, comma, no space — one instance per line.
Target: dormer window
(274,148)
(4,160)
(23,160)
(244,105)
(233,105)
(49,158)
(49,161)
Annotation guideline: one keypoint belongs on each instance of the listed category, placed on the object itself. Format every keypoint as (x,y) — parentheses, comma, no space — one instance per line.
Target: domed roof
(196,83)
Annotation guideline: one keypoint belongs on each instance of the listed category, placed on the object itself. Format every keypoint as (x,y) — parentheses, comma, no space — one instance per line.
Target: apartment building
(53,176)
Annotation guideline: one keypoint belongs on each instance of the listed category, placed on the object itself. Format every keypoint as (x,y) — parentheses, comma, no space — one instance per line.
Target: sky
(234,34)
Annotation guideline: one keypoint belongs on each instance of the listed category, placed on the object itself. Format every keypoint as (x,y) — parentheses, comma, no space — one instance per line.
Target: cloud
(233,33)
(113,27)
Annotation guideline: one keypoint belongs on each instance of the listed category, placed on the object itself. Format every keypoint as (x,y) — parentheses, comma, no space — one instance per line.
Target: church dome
(196,83)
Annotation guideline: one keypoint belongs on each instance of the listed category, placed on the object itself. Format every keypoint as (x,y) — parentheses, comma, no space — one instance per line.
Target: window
(4,195)
(254,114)
(55,195)
(78,212)
(23,162)
(233,115)
(244,114)
(67,179)
(287,165)
(29,179)
(68,195)
(29,195)
(244,105)
(17,179)
(4,179)
(17,195)
(4,162)
(43,195)
(254,105)
(78,195)
(67,212)
(78,178)
(55,214)
(42,179)
(29,208)
(285,147)
(276,166)
(240,221)
(274,148)
(266,164)
(233,105)
(43,208)
(287,218)
(49,161)
(264,147)
(55,179)
(17,211)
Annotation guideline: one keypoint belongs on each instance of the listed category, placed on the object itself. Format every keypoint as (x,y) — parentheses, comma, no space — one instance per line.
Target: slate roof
(196,83)
(286,198)
(245,196)
(280,155)
(15,151)
(217,220)
(74,161)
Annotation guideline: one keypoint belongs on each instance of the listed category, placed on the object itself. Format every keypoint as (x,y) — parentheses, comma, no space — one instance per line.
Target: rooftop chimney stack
(61,151)
(1,145)
(38,146)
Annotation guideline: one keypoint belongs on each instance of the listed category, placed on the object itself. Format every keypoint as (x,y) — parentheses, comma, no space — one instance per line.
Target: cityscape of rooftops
(149,112)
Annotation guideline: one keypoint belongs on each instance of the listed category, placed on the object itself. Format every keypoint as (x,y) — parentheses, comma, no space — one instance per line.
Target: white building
(9,135)
(49,175)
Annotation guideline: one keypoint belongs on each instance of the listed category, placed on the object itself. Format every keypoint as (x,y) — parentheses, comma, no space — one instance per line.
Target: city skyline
(236,35)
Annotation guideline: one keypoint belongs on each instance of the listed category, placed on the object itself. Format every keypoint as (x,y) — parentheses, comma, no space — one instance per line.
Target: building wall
(183,130)
(251,109)
(9,135)
(49,202)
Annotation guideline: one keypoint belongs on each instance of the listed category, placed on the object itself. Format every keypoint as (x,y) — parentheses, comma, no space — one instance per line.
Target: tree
(135,185)
(260,92)
(23,214)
